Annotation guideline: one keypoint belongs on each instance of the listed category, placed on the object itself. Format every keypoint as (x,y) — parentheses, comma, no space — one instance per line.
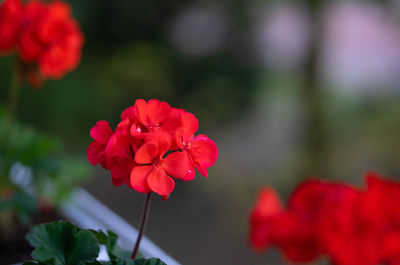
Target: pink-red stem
(145,213)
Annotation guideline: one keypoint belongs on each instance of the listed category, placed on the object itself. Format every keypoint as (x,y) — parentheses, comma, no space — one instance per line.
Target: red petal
(158,111)
(101,132)
(141,110)
(123,126)
(178,137)
(163,141)
(173,122)
(146,153)
(139,176)
(93,152)
(119,173)
(190,125)
(296,237)
(119,146)
(59,9)
(190,174)
(129,113)
(159,182)
(203,152)
(268,205)
(176,164)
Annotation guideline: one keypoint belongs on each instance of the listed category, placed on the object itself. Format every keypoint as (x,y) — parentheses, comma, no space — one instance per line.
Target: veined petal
(146,153)
(119,146)
(203,152)
(173,122)
(163,141)
(176,164)
(190,174)
(159,182)
(139,176)
(101,132)
(123,126)
(141,110)
(190,125)
(157,111)
(128,113)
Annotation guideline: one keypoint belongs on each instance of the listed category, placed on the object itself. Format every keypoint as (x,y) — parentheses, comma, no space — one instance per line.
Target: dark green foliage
(40,168)
(152,261)
(63,243)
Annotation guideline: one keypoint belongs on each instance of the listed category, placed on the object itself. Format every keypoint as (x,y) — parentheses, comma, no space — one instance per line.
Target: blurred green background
(287,90)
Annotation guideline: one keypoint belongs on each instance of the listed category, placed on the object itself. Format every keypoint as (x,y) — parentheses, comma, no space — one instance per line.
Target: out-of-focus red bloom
(343,232)
(349,225)
(295,235)
(11,12)
(268,205)
(143,152)
(51,38)
(44,33)
(382,211)
(293,230)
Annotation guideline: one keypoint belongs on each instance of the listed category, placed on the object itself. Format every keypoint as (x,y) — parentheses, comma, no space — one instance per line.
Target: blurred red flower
(44,34)
(144,153)
(349,225)
(11,13)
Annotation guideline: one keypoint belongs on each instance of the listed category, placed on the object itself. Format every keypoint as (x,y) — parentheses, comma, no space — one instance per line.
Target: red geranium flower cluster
(351,226)
(44,34)
(152,144)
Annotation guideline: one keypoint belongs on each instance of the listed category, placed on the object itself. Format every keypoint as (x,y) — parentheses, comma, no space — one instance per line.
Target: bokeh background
(287,90)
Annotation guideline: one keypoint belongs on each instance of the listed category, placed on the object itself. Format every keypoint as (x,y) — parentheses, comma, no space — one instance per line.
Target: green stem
(13,96)
(143,222)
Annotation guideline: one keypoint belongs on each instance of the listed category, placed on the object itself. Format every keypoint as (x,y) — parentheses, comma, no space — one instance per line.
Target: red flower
(143,153)
(201,150)
(153,171)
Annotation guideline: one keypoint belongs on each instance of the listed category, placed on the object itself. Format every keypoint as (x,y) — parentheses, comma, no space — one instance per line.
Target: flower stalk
(13,96)
(145,213)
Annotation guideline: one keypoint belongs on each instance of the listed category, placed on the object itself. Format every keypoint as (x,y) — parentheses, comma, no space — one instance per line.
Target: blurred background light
(281,34)
(361,48)
(199,30)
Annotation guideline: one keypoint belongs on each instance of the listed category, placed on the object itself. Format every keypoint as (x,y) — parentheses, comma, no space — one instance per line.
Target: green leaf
(115,253)
(33,263)
(152,261)
(100,236)
(63,243)
(141,261)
